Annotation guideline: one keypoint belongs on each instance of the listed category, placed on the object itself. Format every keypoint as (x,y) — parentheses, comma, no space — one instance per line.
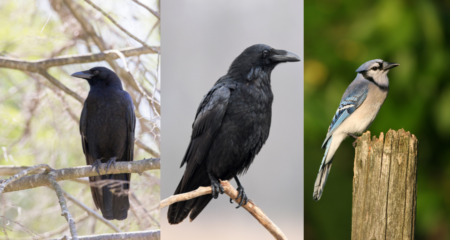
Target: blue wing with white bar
(349,103)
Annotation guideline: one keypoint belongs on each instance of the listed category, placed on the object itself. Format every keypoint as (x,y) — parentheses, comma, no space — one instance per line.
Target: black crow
(231,126)
(107,134)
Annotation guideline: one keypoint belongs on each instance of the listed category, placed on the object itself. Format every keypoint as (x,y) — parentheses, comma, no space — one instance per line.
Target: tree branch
(251,207)
(17,176)
(140,144)
(76,11)
(62,229)
(35,66)
(61,86)
(38,180)
(63,204)
(147,235)
(117,24)
(91,212)
(149,9)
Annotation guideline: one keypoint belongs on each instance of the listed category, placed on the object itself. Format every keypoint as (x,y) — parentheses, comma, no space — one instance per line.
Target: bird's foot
(216,187)
(96,165)
(110,161)
(355,137)
(352,135)
(354,143)
(242,196)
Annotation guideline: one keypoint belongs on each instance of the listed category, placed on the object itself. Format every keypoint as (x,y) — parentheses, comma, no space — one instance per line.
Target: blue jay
(358,108)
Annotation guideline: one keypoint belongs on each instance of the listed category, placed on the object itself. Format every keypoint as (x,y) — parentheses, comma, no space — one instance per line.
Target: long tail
(112,197)
(324,170)
(179,211)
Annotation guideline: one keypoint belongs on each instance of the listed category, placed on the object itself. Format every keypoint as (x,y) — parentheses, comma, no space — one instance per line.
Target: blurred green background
(339,37)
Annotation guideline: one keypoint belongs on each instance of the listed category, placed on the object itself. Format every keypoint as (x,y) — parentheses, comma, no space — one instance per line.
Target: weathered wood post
(384,187)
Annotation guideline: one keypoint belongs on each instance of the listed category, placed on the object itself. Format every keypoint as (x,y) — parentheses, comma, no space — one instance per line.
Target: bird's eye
(374,68)
(96,72)
(265,53)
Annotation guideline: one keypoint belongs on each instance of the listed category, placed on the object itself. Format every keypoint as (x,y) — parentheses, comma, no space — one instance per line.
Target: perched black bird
(231,126)
(107,134)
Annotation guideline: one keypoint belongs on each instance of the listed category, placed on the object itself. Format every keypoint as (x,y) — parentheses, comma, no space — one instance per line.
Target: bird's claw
(96,165)
(355,137)
(216,188)
(242,196)
(354,143)
(111,161)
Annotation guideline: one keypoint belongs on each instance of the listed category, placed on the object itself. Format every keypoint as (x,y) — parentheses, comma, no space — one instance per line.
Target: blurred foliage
(339,37)
(36,125)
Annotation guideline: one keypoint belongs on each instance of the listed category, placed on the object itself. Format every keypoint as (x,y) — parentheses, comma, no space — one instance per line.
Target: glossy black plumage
(107,126)
(231,125)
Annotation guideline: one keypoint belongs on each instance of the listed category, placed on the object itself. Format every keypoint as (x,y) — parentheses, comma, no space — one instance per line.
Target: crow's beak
(390,65)
(284,56)
(84,74)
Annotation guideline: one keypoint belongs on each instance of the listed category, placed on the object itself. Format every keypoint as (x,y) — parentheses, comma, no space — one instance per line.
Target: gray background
(200,39)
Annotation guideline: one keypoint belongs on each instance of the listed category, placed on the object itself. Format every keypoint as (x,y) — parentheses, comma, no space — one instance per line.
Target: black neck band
(383,88)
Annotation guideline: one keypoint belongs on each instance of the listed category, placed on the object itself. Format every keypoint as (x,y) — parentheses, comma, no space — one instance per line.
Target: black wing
(131,125)
(207,122)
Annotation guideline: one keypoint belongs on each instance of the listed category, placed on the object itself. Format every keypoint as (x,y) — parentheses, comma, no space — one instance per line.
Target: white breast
(360,120)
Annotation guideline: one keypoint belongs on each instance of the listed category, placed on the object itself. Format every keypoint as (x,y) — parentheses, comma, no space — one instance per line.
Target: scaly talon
(96,165)
(241,194)
(216,187)
(111,161)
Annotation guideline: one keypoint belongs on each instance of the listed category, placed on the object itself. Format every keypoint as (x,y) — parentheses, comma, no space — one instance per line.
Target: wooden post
(385,187)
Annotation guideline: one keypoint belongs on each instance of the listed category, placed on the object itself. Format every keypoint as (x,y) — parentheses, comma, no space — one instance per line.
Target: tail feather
(324,170)
(199,205)
(320,181)
(179,211)
(111,197)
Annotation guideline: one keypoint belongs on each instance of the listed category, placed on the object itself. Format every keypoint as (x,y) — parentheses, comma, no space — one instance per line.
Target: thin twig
(92,212)
(141,145)
(62,229)
(251,207)
(149,9)
(120,27)
(63,204)
(61,86)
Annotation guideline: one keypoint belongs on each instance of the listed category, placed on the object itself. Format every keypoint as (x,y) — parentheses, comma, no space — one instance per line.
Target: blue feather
(347,106)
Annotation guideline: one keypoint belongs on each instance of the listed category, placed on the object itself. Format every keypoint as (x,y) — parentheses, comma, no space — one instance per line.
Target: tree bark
(41,179)
(385,186)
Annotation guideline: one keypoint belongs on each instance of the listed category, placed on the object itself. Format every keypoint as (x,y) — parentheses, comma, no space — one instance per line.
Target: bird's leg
(216,186)
(95,165)
(241,195)
(355,137)
(111,161)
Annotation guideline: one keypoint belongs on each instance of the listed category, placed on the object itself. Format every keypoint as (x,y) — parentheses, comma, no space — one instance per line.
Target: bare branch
(37,65)
(146,148)
(76,11)
(139,205)
(118,25)
(143,235)
(63,204)
(251,207)
(149,9)
(62,229)
(91,212)
(11,170)
(38,180)
(61,86)
(21,174)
